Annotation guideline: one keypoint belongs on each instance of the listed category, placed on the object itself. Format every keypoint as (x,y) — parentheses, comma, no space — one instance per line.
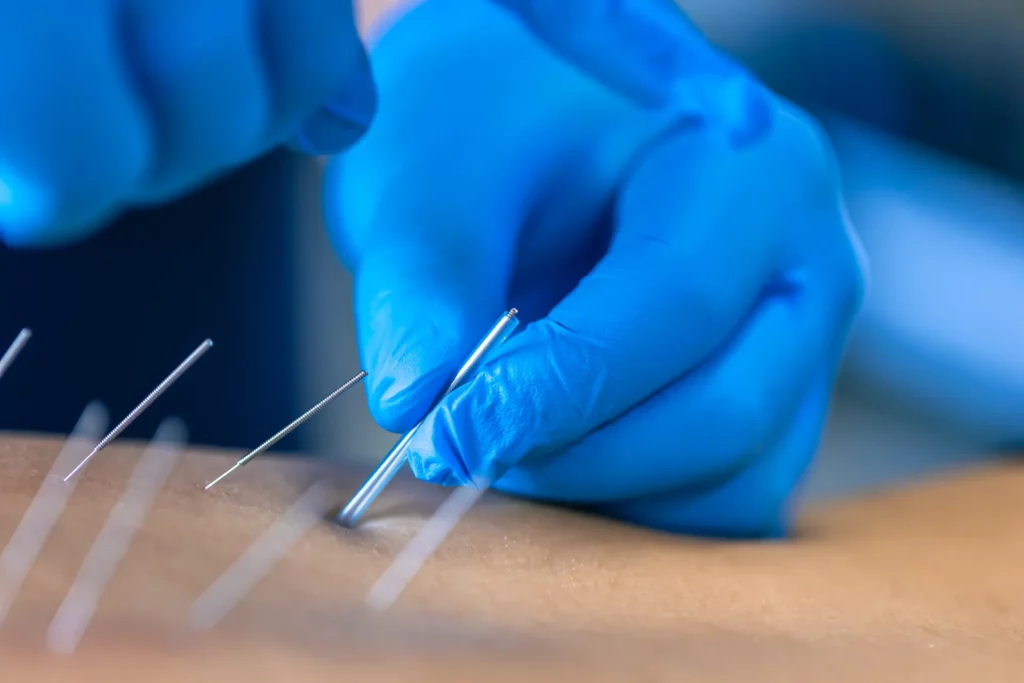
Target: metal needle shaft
(12,352)
(146,402)
(269,443)
(396,457)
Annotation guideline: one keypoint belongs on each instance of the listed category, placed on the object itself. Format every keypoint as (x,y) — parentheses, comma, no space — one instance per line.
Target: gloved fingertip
(411,343)
(343,108)
(400,397)
(325,133)
(341,121)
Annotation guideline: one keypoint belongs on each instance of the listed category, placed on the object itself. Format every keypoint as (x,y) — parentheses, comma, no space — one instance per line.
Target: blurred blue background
(925,104)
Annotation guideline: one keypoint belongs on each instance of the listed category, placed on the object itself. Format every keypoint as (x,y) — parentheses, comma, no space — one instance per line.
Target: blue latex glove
(111,103)
(688,280)
(114,103)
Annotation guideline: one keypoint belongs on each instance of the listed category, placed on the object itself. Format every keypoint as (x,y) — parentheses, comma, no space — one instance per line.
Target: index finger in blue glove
(710,424)
(686,267)
(423,296)
(651,52)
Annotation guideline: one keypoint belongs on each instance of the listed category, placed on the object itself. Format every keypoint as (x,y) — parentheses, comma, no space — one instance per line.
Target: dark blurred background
(112,316)
(924,100)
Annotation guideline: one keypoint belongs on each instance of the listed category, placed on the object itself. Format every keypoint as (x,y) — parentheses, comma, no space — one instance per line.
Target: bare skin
(922,582)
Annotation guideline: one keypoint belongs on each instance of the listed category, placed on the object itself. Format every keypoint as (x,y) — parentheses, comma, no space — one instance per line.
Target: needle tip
(513,312)
(82,464)
(218,479)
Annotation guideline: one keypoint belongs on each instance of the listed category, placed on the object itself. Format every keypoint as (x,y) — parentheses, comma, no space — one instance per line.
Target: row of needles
(381,477)
(75,612)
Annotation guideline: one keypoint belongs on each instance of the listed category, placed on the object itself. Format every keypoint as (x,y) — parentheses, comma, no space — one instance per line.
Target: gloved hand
(108,104)
(688,276)
(113,103)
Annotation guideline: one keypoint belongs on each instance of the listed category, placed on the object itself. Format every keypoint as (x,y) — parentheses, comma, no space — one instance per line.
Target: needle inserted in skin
(148,401)
(269,443)
(151,472)
(12,352)
(396,457)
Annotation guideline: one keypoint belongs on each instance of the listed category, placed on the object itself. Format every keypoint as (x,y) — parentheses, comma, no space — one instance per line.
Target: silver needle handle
(396,457)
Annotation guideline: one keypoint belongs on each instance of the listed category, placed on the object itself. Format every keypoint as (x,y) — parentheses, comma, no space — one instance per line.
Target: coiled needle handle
(295,424)
(396,457)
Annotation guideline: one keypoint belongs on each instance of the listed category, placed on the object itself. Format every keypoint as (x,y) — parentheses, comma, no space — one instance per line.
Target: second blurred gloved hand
(689,289)
(112,103)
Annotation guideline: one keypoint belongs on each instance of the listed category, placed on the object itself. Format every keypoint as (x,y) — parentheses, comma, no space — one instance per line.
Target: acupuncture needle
(125,519)
(396,457)
(146,402)
(269,443)
(46,507)
(15,348)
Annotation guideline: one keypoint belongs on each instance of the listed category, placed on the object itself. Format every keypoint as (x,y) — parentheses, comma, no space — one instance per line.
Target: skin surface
(918,584)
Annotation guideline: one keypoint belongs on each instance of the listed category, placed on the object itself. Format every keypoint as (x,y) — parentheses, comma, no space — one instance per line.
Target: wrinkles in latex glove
(688,289)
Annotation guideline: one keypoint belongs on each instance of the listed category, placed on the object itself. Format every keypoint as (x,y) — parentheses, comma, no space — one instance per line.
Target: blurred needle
(269,443)
(148,401)
(44,510)
(425,543)
(241,577)
(16,346)
(151,472)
